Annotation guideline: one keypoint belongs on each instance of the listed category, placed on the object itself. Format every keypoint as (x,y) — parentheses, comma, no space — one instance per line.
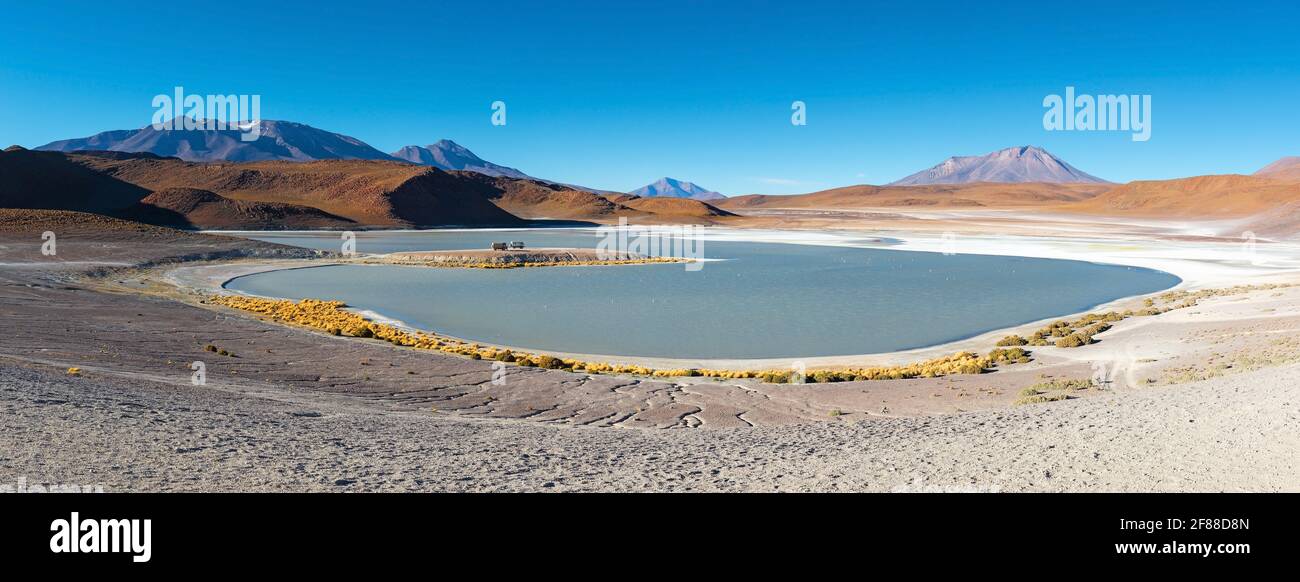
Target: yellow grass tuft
(331,317)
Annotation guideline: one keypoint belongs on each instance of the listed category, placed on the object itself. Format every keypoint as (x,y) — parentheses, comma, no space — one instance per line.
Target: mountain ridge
(1287,169)
(445,154)
(278,140)
(1012,165)
(673,188)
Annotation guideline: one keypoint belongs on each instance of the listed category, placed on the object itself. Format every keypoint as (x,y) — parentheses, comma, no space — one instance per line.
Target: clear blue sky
(614,95)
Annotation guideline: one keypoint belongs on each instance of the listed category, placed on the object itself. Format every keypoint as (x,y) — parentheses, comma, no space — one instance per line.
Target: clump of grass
(1042,398)
(1012,340)
(1060,385)
(1009,355)
(218,351)
(1030,391)
(1053,390)
(1073,340)
(678,372)
(775,377)
(548,362)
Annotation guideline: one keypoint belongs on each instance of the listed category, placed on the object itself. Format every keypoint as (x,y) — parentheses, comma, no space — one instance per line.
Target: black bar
(1071,532)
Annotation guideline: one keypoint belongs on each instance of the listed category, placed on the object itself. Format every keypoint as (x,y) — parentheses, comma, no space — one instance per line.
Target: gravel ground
(126,433)
(294,410)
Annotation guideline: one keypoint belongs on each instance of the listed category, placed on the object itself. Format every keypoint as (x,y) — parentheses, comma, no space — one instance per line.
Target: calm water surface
(763,300)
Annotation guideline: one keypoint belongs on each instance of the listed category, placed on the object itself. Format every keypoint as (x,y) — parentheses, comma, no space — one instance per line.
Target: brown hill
(1222,196)
(683,209)
(535,199)
(26,222)
(320,194)
(1286,169)
(369,193)
(928,196)
(193,208)
(51,180)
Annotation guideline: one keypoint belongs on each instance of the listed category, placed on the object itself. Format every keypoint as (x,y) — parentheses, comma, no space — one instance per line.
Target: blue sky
(616,95)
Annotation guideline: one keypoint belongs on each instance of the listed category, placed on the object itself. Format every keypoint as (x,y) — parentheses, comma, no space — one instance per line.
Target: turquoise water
(764,300)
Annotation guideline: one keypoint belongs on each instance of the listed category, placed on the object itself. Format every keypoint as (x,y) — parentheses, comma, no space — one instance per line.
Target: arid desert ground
(1202,398)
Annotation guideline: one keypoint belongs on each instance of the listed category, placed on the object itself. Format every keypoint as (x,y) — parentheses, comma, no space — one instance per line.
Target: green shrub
(775,377)
(1059,385)
(548,362)
(1040,399)
(1009,356)
(1073,340)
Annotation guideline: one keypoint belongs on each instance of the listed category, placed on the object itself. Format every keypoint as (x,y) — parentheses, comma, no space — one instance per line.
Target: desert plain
(1199,398)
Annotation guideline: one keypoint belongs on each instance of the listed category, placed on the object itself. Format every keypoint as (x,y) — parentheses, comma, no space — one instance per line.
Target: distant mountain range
(449,155)
(1011,165)
(334,194)
(297,176)
(285,141)
(673,188)
(279,140)
(297,142)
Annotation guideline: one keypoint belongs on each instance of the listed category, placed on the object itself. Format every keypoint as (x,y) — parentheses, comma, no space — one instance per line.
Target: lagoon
(750,300)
